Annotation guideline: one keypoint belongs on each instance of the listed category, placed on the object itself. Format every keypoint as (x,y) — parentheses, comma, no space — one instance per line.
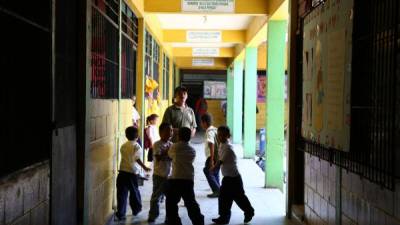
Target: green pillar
(237,101)
(229,104)
(276,43)
(250,102)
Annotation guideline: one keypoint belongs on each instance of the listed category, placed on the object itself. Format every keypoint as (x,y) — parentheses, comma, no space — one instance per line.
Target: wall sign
(202,62)
(211,6)
(205,52)
(203,36)
(327,54)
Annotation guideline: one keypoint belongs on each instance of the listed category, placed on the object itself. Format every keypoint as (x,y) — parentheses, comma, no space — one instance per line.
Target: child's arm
(147,169)
(216,165)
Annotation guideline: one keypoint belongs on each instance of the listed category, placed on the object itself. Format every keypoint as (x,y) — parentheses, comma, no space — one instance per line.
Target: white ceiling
(203,22)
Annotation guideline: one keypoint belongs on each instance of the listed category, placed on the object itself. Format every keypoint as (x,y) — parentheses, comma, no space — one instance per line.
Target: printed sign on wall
(203,36)
(205,52)
(211,6)
(202,62)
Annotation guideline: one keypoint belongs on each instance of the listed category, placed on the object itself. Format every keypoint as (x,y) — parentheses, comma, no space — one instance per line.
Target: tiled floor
(269,204)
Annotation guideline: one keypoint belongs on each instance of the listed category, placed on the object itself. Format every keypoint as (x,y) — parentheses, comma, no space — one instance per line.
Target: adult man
(179,114)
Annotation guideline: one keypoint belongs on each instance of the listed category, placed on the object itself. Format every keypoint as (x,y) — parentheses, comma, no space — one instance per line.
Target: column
(250,102)
(237,101)
(276,41)
(229,100)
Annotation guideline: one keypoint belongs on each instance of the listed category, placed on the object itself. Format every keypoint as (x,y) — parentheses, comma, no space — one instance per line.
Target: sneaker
(220,221)
(248,217)
(213,195)
(151,220)
(119,218)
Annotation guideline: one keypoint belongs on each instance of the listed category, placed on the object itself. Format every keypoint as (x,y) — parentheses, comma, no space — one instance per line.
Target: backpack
(147,142)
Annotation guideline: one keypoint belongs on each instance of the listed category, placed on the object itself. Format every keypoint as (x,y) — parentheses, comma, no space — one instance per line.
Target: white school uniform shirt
(130,153)
(162,167)
(135,114)
(182,155)
(210,134)
(229,161)
(153,134)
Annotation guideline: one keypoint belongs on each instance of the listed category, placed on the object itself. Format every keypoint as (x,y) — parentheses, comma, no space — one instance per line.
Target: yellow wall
(262,57)
(214,108)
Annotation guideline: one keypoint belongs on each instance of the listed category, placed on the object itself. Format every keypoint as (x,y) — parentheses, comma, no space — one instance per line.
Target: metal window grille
(156,60)
(129,52)
(165,76)
(105,41)
(375,90)
(104,83)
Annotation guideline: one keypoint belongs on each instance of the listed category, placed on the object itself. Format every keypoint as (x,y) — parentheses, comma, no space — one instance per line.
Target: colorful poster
(261,88)
(327,54)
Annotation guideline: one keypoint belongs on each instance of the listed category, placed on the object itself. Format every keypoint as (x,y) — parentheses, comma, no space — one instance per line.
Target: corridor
(269,204)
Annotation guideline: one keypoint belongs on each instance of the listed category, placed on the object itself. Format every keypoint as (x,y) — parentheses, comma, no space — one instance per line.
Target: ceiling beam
(229,36)
(254,7)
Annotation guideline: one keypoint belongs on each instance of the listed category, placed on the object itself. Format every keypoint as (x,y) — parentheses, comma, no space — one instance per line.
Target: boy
(127,179)
(162,168)
(211,151)
(232,184)
(180,184)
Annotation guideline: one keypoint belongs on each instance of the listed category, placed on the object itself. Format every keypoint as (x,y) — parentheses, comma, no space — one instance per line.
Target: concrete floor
(269,204)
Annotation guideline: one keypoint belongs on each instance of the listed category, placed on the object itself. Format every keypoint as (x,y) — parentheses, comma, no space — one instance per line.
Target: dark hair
(150,118)
(207,118)
(163,126)
(225,130)
(185,134)
(179,89)
(131,133)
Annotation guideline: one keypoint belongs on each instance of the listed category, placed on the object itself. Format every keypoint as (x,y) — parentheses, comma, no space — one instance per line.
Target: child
(180,184)
(162,168)
(211,151)
(151,135)
(232,184)
(127,179)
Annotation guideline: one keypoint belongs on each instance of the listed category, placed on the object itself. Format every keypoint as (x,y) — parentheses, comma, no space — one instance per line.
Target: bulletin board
(327,56)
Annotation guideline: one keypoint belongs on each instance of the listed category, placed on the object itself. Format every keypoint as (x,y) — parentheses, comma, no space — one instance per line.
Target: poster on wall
(327,54)
(214,90)
(261,88)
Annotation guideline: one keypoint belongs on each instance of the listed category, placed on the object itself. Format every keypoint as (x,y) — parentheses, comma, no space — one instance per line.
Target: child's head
(165,131)
(206,120)
(152,119)
(185,134)
(131,133)
(223,133)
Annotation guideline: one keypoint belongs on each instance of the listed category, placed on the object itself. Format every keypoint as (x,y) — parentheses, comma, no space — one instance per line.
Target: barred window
(165,76)
(105,45)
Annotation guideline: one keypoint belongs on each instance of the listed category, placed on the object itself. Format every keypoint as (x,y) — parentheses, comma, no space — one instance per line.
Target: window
(129,52)
(165,76)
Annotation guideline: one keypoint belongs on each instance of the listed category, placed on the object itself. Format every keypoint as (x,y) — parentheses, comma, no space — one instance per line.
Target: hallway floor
(269,204)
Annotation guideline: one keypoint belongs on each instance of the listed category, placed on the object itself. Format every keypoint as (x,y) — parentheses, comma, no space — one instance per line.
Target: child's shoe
(220,221)
(248,217)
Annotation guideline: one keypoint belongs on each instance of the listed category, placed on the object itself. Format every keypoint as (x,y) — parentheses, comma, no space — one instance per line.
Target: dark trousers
(212,177)
(128,183)
(177,189)
(232,190)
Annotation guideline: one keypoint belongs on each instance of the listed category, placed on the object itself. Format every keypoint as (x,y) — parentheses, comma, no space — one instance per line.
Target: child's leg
(158,191)
(225,200)
(173,196)
(122,194)
(240,197)
(190,202)
(212,179)
(135,199)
